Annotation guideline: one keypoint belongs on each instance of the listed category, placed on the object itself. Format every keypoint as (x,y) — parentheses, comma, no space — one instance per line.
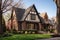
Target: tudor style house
(47,25)
(24,19)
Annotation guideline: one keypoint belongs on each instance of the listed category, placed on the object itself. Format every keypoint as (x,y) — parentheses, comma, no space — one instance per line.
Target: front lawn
(26,37)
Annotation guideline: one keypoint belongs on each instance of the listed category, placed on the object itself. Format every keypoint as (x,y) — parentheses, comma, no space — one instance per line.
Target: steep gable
(22,14)
(28,12)
(19,12)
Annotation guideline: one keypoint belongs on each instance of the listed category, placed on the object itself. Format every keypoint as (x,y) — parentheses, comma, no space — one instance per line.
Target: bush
(21,32)
(0,35)
(26,32)
(29,32)
(14,31)
(6,34)
(52,30)
(33,32)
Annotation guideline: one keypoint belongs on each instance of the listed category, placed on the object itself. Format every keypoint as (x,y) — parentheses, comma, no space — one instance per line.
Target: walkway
(56,38)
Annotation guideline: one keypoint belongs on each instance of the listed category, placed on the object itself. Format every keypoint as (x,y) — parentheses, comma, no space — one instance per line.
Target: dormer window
(31,12)
(33,16)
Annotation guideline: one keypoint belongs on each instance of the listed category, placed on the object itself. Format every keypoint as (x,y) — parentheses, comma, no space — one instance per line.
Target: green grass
(26,37)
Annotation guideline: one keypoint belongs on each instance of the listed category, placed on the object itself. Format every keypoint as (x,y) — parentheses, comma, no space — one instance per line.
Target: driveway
(56,38)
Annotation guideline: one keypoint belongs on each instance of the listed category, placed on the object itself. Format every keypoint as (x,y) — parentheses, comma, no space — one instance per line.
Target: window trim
(33,18)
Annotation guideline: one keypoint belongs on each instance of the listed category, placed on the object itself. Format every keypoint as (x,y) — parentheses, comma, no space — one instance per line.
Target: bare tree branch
(4,3)
(6,6)
(7,10)
(10,4)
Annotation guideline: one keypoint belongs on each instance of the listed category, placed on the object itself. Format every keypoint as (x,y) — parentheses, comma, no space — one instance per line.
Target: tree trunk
(58,19)
(1,30)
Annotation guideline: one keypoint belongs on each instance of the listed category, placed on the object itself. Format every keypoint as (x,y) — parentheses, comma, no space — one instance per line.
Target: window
(33,17)
(30,26)
(19,25)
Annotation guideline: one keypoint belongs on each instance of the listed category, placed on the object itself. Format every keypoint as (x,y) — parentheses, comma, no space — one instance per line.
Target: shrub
(26,32)
(29,32)
(0,35)
(6,34)
(22,32)
(33,32)
(52,30)
(14,31)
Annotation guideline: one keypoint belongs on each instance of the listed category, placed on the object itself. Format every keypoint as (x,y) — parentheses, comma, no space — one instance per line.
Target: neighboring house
(54,22)
(47,23)
(25,19)
(44,16)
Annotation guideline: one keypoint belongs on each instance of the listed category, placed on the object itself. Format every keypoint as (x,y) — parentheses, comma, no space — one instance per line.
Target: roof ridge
(18,8)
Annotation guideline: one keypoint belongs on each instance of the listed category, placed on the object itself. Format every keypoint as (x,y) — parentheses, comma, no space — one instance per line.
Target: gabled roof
(28,10)
(21,14)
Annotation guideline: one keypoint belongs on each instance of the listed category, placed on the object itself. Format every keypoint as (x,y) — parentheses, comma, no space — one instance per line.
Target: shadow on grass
(55,35)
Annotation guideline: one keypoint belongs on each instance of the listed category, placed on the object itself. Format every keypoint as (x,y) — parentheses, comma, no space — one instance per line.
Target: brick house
(47,25)
(25,19)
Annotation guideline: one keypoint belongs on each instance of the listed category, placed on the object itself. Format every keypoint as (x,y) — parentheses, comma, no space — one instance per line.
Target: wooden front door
(32,26)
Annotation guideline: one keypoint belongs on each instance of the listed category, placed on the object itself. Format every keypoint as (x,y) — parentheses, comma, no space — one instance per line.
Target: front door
(32,26)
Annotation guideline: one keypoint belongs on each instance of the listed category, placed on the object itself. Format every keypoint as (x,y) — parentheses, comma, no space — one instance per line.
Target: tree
(6,5)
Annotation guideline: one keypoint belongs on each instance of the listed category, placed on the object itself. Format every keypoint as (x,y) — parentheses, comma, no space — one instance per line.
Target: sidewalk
(56,38)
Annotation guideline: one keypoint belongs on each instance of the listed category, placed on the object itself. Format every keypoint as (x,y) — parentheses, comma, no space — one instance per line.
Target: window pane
(33,16)
(30,26)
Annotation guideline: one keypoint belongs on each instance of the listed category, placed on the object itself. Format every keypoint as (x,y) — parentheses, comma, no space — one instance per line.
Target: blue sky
(43,6)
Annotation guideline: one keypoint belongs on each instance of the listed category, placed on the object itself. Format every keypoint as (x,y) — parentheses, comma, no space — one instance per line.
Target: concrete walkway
(56,38)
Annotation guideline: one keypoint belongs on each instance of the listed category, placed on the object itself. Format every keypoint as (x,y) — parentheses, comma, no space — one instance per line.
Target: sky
(42,6)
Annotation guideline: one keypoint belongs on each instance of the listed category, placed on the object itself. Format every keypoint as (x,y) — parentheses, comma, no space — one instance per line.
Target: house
(47,24)
(54,22)
(25,19)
